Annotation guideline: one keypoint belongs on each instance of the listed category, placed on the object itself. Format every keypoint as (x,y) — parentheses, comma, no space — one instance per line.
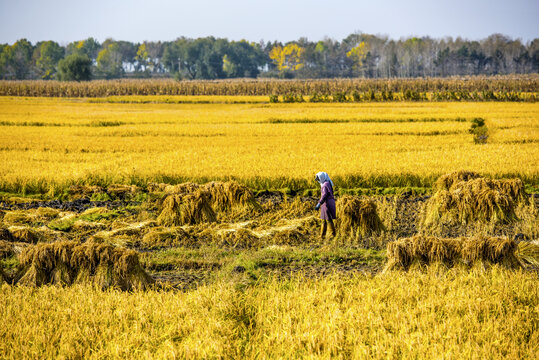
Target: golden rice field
(451,315)
(218,270)
(53,142)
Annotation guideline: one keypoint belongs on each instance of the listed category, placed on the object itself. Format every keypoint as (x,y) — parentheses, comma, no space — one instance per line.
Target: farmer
(326,204)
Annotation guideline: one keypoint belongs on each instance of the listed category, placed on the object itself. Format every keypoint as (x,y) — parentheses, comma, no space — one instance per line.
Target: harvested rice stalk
(427,250)
(477,199)
(68,262)
(357,215)
(122,191)
(186,209)
(183,188)
(291,237)
(226,195)
(83,191)
(166,237)
(240,238)
(24,234)
(445,182)
(528,252)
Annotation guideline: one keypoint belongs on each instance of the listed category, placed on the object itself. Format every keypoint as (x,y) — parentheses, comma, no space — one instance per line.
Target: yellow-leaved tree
(288,58)
(358,55)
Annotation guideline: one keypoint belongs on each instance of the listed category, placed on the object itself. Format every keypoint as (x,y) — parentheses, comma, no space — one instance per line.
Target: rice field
(470,315)
(51,143)
(183,226)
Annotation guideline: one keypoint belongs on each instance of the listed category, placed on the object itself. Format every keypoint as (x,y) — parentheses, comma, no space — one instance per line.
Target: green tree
(109,61)
(142,57)
(16,60)
(47,54)
(75,67)
(228,66)
(89,47)
(358,54)
(288,58)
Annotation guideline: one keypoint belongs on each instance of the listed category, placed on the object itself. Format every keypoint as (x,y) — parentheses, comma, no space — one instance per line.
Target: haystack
(226,195)
(84,191)
(24,234)
(18,218)
(445,182)
(183,188)
(160,237)
(474,199)
(179,209)
(358,216)
(119,191)
(68,262)
(528,252)
(427,250)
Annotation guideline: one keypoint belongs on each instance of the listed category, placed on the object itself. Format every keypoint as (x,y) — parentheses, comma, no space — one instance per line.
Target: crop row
(506,84)
(407,95)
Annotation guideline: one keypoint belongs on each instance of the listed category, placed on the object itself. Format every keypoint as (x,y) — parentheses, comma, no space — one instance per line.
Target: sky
(283,20)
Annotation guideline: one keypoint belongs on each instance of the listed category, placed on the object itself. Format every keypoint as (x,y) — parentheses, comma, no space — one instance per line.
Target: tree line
(358,55)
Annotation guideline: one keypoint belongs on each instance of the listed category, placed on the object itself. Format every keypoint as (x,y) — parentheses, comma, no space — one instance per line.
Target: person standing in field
(326,204)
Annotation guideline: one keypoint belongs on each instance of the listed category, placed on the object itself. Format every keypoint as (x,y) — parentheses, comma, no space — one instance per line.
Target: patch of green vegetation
(67,224)
(100,197)
(140,197)
(249,266)
(10,263)
(109,215)
(62,224)
(180,258)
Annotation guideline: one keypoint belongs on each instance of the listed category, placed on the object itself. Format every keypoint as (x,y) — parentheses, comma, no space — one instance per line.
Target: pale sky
(283,20)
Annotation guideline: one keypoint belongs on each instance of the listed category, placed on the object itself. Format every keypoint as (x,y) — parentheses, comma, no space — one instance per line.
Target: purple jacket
(327,202)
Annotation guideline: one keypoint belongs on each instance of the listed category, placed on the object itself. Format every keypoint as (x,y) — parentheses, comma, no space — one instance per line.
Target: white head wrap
(322,177)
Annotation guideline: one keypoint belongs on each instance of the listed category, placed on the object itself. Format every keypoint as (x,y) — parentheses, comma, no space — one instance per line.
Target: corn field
(101,88)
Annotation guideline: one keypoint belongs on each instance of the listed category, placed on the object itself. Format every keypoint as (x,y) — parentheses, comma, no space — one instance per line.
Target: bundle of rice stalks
(286,210)
(119,191)
(183,188)
(76,192)
(47,263)
(186,209)
(477,199)
(166,237)
(18,218)
(240,238)
(226,195)
(445,182)
(356,215)
(291,237)
(24,234)
(427,250)
(66,263)
(528,253)
(46,214)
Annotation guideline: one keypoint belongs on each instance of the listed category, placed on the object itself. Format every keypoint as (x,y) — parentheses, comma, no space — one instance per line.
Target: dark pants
(325,227)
